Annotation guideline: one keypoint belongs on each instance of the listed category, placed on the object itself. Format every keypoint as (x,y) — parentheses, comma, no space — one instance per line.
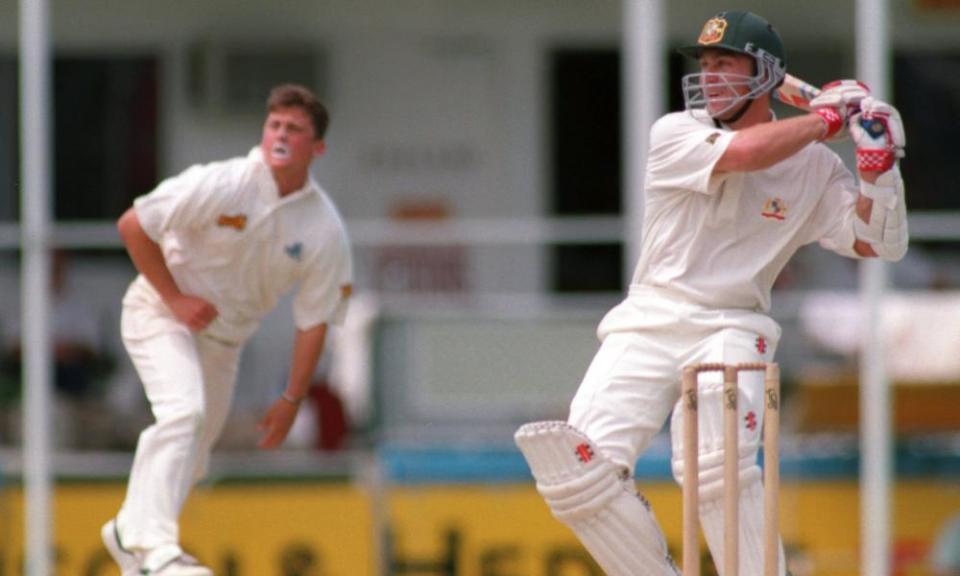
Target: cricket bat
(797,93)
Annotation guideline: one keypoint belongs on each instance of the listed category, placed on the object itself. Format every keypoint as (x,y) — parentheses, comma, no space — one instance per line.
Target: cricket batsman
(731,193)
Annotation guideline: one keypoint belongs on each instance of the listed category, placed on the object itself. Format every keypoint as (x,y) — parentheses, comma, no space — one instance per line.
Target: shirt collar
(719,124)
(268,186)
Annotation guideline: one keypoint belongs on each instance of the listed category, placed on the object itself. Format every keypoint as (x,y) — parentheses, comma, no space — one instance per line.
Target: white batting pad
(710,468)
(592,496)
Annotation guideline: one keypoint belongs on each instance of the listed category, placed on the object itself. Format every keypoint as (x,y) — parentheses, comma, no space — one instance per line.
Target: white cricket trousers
(189,381)
(633,386)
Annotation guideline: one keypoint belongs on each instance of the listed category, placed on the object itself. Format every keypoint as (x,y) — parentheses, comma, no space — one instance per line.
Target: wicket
(731,477)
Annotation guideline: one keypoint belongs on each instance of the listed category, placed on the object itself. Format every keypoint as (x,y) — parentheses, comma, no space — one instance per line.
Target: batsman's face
(724,77)
(288,140)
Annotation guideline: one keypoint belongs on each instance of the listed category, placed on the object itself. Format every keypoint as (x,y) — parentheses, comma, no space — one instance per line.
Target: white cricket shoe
(123,557)
(171,560)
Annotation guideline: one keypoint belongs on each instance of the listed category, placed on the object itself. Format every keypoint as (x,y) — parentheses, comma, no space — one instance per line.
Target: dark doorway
(105,135)
(106,116)
(586,163)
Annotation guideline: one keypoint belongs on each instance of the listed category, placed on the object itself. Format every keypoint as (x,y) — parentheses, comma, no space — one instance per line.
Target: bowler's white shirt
(719,242)
(229,237)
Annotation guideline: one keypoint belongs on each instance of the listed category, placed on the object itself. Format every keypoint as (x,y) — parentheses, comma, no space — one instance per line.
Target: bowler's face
(289,139)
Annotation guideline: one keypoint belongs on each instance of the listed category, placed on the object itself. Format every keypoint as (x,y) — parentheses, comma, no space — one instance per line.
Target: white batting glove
(878,133)
(838,101)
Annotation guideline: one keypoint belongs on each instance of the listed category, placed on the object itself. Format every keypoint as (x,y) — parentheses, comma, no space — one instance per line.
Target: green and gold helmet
(743,33)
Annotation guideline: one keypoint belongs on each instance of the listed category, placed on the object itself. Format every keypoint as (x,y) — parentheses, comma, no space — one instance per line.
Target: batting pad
(710,468)
(592,496)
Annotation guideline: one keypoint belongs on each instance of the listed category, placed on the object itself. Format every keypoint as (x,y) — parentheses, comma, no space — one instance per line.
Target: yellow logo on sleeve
(237,221)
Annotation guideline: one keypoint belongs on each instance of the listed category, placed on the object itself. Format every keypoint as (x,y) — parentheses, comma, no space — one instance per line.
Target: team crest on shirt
(236,221)
(294,251)
(713,31)
(774,208)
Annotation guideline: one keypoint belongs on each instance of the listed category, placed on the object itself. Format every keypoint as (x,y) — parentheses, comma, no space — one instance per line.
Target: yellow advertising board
(322,529)
(507,531)
(282,528)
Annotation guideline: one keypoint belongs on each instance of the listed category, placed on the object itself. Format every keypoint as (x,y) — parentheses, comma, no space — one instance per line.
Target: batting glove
(838,101)
(878,133)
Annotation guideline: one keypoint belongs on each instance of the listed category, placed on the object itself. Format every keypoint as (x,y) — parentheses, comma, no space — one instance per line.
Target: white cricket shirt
(229,237)
(719,242)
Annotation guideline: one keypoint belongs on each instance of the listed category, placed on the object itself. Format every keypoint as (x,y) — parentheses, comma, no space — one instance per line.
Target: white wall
(423,80)
(426,79)
(420,80)
(414,77)
(419,77)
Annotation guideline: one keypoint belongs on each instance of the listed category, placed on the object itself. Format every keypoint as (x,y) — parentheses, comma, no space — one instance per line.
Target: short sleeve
(683,152)
(324,292)
(191,199)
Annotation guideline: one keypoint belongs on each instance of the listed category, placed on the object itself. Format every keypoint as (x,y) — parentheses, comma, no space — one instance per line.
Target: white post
(35,280)
(643,102)
(876,467)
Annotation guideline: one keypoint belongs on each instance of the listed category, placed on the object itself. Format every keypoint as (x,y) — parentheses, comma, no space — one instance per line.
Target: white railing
(928,226)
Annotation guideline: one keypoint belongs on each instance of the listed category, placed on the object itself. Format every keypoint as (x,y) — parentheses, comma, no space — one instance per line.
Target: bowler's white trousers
(189,381)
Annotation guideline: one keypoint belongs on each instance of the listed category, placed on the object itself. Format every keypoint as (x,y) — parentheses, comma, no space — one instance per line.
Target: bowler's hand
(275,425)
(193,311)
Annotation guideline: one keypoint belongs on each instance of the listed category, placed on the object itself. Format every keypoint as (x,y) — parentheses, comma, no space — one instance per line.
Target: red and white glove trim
(875,160)
(833,121)
(840,98)
(878,134)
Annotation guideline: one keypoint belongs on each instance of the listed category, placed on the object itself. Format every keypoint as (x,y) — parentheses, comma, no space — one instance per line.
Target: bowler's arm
(147,255)
(307,349)
(148,258)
